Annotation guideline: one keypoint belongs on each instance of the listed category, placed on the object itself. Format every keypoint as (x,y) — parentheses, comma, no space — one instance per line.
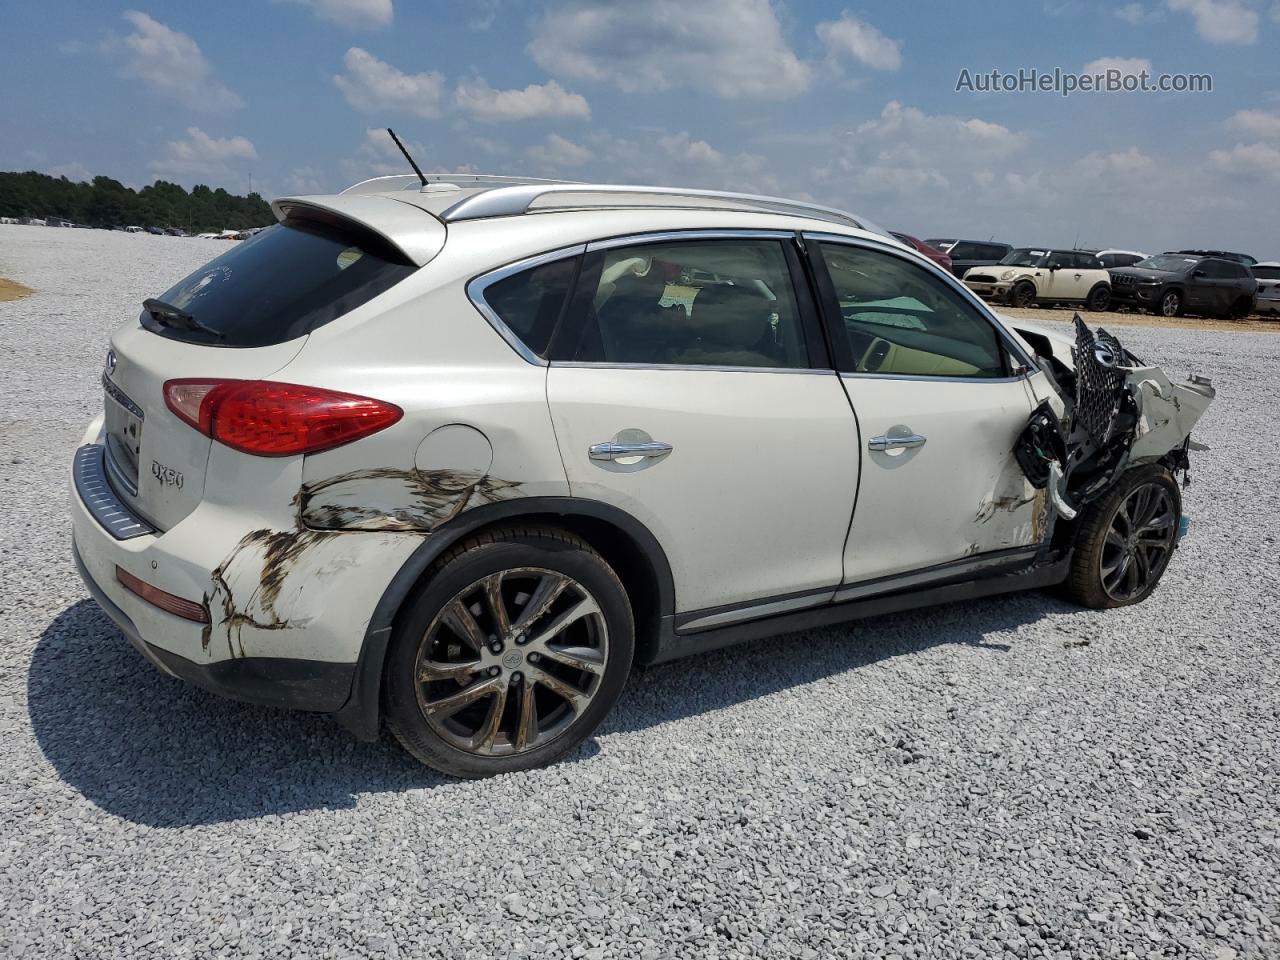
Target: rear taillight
(271,419)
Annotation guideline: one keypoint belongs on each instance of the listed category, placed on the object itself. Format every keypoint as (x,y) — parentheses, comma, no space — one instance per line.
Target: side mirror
(1055,265)
(1199,273)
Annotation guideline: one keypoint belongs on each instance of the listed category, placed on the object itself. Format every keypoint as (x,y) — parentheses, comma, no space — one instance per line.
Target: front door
(694,393)
(939,408)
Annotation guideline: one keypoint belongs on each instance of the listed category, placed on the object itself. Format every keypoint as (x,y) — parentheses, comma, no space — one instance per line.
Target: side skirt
(673,645)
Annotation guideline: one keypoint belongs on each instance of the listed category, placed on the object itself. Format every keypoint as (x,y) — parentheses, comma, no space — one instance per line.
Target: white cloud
(1221,21)
(536,100)
(352,14)
(203,156)
(1130,66)
(304,180)
(851,37)
(1125,165)
(74,171)
(1253,161)
(734,48)
(171,64)
(1135,13)
(555,152)
(1258,123)
(373,86)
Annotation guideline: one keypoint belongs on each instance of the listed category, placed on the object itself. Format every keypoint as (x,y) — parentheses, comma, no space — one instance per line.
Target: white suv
(457,455)
(1028,276)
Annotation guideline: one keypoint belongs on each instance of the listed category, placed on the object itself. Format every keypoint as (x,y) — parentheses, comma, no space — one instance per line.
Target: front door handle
(621,451)
(908,442)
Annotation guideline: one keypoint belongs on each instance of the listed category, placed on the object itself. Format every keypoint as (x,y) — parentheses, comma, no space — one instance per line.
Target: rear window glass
(281,283)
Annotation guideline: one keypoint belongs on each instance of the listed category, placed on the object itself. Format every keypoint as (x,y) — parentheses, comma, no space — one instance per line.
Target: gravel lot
(1011,777)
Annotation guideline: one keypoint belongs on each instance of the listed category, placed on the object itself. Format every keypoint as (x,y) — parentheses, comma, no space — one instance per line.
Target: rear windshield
(281,283)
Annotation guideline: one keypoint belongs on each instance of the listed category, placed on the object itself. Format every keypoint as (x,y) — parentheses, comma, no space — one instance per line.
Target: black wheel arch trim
(362,712)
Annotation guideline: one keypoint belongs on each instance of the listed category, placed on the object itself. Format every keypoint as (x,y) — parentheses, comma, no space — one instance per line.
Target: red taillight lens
(276,419)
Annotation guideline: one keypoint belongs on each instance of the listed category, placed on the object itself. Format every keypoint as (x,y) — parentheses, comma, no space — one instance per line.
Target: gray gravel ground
(1012,777)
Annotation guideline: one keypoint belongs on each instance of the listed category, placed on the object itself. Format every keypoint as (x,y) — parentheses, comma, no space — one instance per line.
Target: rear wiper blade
(168,315)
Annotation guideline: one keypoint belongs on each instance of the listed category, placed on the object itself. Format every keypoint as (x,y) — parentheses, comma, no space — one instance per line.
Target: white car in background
(1119,258)
(459,454)
(1028,275)
(1267,274)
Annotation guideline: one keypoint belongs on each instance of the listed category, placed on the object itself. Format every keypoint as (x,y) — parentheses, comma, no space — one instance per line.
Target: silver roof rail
(498,196)
(524,198)
(410,181)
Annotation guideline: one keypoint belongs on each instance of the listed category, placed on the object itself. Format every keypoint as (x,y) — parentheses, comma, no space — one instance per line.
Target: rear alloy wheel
(512,655)
(1126,539)
(1023,294)
(1099,298)
(1171,304)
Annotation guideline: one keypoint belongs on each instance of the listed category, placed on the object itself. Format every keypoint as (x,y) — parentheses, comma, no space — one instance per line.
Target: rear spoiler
(414,232)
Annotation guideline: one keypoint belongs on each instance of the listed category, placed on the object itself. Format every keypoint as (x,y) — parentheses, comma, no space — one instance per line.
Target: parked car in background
(1119,258)
(933,253)
(1244,258)
(1268,297)
(1029,275)
(1171,284)
(132,229)
(13,220)
(965,254)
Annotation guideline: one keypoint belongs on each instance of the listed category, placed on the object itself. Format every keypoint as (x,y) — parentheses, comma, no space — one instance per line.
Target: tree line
(109,203)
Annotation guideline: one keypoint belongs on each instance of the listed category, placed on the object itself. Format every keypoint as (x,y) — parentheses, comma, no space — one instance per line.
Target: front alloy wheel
(1138,542)
(1171,304)
(511,661)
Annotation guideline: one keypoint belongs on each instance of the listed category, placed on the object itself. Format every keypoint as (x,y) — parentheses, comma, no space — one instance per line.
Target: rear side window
(529,303)
(967,251)
(281,283)
(901,319)
(991,251)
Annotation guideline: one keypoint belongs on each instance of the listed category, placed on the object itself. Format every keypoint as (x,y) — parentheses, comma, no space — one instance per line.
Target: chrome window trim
(1007,337)
(925,378)
(704,367)
(676,236)
(477,286)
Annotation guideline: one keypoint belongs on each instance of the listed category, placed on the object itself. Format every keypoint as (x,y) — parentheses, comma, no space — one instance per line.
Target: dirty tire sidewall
(1084,583)
(462,565)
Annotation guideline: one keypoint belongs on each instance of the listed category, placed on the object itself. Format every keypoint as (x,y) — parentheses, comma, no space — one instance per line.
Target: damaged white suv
(457,455)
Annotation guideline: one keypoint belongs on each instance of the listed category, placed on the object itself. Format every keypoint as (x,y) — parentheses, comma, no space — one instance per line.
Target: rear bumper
(314,685)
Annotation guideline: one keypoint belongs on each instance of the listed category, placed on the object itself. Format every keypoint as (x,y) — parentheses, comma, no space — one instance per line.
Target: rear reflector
(270,419)
(186,609)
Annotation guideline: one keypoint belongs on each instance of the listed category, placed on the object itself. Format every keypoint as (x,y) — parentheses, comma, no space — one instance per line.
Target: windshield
(1167,262)
(280,284)
(1267,273)
(1025,257)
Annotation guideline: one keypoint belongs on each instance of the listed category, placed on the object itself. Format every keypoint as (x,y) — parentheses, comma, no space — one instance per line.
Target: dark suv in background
(1171,284)
(970,253)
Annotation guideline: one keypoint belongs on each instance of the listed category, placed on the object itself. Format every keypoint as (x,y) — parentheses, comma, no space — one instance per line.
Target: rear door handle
(908,442)
(621,451)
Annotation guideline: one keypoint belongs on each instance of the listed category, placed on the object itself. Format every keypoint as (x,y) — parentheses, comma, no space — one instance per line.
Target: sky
(850,105)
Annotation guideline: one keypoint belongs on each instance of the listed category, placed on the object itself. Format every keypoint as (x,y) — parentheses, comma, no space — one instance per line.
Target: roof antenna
(407,157)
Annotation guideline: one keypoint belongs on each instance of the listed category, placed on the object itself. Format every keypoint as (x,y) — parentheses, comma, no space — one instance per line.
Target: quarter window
(698,303)
(530,302)
(900,319)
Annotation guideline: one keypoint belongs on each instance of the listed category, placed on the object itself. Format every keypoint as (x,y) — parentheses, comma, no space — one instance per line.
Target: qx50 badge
(167,476)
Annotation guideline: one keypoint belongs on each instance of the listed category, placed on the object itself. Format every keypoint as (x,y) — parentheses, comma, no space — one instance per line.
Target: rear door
(690,387)
(935,386)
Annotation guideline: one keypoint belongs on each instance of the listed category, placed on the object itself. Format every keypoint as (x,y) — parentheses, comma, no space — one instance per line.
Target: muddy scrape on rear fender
(390,499)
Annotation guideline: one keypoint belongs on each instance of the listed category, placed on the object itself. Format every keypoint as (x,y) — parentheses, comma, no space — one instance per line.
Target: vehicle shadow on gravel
(156,751)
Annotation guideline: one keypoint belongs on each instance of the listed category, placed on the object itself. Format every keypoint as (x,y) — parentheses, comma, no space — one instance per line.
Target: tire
(1240,309)
(1099,298)
(1101,540)
(1023,294)
(1170,304)
(446,636)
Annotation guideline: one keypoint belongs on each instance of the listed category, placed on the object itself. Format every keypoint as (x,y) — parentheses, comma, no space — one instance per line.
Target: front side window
(696,303)
(901,319)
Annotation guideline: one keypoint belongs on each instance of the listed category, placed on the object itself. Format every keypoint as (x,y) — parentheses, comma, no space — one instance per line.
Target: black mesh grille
(1099,385)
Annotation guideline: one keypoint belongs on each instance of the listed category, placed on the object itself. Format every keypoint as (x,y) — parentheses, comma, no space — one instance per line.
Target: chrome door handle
(620,451)
(896,443)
